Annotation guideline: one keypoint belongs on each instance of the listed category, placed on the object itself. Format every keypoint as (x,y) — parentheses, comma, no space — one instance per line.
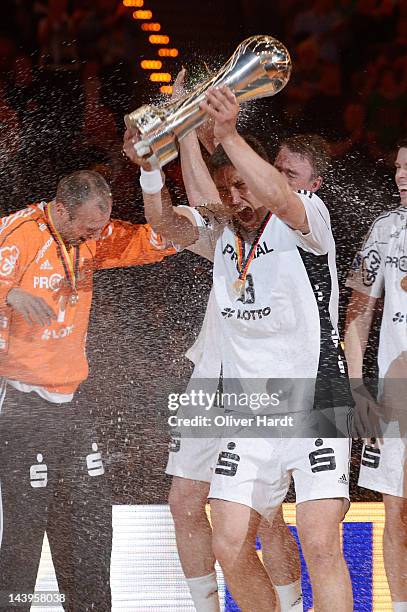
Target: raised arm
(198,183)
(177,226)
(266,183)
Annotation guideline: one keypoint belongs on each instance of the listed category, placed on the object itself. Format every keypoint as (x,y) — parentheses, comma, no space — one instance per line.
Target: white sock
(204,593)
(399,606)
(290,596)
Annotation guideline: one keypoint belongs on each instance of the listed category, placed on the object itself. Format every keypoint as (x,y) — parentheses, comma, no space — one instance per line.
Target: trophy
(259,67)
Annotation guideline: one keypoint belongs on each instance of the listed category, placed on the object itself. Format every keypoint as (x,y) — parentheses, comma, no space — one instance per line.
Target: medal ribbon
(71,264)
(244,264)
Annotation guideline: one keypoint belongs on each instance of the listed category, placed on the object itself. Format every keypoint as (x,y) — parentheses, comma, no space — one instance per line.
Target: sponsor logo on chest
(43,249)
(400,317)
(399,263)
(47,282)
(261,249)
(254,314)
(8,260)
(57,334)
(46,265)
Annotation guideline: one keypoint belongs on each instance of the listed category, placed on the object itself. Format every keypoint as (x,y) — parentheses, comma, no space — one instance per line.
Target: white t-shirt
(284,326)
(378,268)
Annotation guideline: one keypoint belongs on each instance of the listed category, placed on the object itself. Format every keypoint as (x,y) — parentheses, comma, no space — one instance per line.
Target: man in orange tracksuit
(51,470)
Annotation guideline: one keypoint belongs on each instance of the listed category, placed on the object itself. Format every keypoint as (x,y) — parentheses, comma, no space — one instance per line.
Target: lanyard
(70,264)
(243,263)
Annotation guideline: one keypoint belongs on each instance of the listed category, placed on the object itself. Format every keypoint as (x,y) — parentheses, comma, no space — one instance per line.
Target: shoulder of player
(116,226)
(311,196)
(383,225)
(389,217)
(208,216)
(23,223)
(313,199)
(190,212)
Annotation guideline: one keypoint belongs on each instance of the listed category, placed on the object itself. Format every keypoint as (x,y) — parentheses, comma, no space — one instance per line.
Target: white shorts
(257,472)
(193,457)
(383,465)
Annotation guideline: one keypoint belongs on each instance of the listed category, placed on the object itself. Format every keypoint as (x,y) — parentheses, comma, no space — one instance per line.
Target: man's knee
(322,548)
(318,528)
(234,534)
(230,548)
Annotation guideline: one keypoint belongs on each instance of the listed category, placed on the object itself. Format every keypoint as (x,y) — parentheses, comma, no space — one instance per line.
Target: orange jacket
(54,357)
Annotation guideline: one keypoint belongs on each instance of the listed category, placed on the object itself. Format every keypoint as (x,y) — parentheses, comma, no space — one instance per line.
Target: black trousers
(52,479)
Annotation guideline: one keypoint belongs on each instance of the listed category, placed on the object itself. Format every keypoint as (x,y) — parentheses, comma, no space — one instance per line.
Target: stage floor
(146,575)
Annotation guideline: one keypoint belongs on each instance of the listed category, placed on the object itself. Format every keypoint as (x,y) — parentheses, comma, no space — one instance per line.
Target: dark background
(70,70)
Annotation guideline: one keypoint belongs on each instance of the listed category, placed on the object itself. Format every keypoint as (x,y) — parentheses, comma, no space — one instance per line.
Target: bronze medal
(403,283)
(73,299)
(243,262)
(69,262)
(238,286)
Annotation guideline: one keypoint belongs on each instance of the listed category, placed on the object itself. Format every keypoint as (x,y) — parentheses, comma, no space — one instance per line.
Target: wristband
(151,182)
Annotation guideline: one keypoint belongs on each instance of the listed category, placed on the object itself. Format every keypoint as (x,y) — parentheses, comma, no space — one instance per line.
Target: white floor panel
(145,573)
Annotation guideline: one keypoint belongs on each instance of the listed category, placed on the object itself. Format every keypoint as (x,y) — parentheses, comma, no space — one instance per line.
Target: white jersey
(378,268)
(284,325)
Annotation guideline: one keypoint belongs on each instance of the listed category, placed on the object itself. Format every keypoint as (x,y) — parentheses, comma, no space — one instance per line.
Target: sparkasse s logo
(39,473)
(94,462)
